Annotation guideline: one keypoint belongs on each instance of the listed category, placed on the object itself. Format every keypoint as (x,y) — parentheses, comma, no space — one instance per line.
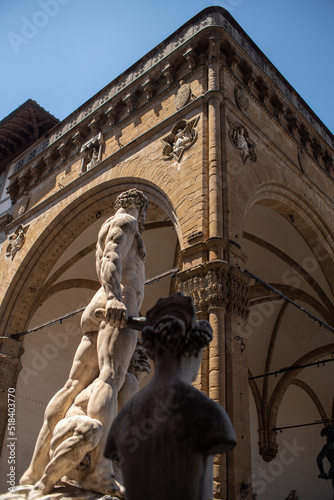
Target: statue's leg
(115,349)
(84,370)
(73,437)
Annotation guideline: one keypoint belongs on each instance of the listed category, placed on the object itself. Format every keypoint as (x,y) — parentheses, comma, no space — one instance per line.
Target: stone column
(237,386)
(215,185)
(10,366)
(220,293)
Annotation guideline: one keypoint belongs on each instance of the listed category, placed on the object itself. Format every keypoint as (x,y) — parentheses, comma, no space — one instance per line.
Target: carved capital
(268,446)
(216,284)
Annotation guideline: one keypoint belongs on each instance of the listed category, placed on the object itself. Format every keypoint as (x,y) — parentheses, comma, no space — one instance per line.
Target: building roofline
(209,18)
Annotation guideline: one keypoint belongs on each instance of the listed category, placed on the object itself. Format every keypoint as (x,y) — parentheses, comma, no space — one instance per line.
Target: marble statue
(327,452)
(101,362)
(77,434)
(165,437)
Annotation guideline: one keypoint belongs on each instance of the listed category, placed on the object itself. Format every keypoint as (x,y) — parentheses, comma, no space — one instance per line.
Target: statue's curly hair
(169,337)
(134,198)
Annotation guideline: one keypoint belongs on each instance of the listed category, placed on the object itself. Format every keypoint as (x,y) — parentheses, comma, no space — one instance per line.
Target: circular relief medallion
(182,95)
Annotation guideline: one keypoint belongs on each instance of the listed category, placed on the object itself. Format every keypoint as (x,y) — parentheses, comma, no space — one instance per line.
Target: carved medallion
(24,203)
(182,136)
(16,241)
(241,99)
(183,95)
(241,140)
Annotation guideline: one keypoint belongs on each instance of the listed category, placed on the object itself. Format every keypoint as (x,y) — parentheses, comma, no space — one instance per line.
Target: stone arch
(58,233)
(308,220)
(305,387)
(289,377)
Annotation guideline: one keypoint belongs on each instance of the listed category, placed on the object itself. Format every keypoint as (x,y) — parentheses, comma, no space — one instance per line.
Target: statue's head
(171,329)
(133,198)
(139,364)
(328,431)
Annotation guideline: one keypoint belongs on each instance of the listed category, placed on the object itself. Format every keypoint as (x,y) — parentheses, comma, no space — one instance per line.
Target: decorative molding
(240,139)
(16,241)
(182,137)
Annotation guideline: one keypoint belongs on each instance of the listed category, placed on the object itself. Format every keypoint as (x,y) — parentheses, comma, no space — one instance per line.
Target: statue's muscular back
(119,235)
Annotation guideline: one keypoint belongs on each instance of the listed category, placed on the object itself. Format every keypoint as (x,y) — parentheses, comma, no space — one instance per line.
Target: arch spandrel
(57,230)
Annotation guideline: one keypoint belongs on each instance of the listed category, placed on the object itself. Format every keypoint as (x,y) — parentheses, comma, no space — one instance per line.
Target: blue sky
(61,52)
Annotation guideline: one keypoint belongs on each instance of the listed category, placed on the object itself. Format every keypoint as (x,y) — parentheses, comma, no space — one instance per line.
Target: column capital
(216,284)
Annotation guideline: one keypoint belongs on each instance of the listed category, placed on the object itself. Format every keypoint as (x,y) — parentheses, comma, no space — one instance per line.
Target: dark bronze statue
(327,452)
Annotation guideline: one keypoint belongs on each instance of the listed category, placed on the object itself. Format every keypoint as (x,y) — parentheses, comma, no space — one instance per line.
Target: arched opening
(286,243)
(63,279)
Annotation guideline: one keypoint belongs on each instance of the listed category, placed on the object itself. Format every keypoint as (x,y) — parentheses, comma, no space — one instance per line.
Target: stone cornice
(212,17)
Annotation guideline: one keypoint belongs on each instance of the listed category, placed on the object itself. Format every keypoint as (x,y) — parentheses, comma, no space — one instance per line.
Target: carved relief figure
(94,159)
(16,241)
(241,140)
(165,437)
(102,359)
(91,153)
(183,135)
